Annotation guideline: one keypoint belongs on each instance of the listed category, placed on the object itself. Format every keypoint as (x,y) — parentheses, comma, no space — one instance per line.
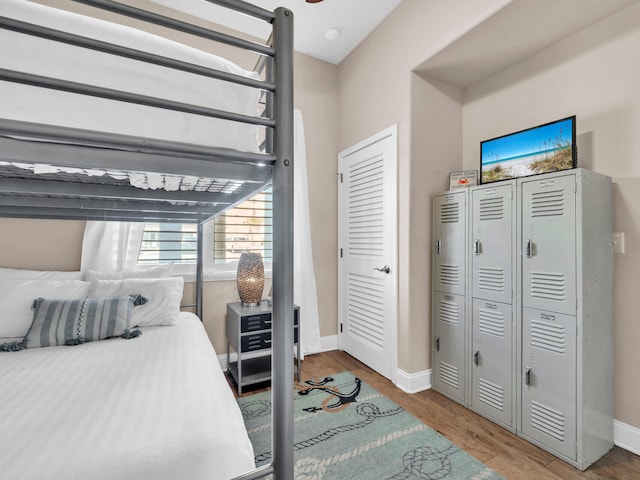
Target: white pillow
(17,296)
(39,274)
(161,271)
(163,298)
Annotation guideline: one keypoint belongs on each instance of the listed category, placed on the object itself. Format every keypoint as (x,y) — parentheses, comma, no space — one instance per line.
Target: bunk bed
(103,122)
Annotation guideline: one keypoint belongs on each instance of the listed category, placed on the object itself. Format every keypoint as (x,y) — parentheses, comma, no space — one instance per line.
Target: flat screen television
(546,148)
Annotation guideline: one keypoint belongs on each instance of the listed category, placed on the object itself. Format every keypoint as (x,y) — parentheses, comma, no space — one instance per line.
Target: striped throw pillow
(72,322)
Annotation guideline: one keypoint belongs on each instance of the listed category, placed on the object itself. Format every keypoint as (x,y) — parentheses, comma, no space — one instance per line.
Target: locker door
(492,238)
(491,370)
(549,382)
(449,333)
(549,244)
(449,242)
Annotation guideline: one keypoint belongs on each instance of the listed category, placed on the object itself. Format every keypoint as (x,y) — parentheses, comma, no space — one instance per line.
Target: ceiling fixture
(331,33)
(314,1)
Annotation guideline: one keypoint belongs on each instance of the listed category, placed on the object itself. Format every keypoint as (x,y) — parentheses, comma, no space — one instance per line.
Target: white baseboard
(413,382)
(328,343)
(626,436)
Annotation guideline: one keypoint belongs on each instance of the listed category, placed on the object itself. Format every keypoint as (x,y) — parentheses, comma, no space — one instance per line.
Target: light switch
(617,239)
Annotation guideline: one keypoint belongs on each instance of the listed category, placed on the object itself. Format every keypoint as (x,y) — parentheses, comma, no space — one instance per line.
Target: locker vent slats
(365,308)
(491,322)
(549,286)
(491,279)
(450,312)
(449,375)
(547,203)
(450,212)
(365,208)
(548,420)
(548,336)
(491,208)
(491,394)
(450,275)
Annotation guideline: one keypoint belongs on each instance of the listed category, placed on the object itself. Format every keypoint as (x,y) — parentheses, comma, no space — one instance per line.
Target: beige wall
(593,75)
(315,93)
(40,244)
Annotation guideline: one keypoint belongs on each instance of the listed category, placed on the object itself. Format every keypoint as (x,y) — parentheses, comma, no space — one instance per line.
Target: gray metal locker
(450,230)
(549,244)
(493,366)
(493,235)
(552,248)
(449,289)
(492,372)
(566,271)
(449,345)
(549,380)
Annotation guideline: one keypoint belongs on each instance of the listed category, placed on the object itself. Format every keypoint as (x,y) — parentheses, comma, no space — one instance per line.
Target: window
(244,228)
(168,243)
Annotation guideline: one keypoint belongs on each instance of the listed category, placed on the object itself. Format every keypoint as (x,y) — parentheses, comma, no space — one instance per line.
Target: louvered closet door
(449,333)
(549,388)
(491,370)
(491,238)
(549,244)
(449,242)
(367,291)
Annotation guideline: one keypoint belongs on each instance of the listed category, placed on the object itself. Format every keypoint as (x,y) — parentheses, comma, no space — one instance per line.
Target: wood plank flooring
(507,454)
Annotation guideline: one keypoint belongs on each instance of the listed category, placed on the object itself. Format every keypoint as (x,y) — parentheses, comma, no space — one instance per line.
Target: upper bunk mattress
(35,55)
(154,407)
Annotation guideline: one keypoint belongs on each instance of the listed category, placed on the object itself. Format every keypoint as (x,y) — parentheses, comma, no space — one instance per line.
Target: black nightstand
(249,335)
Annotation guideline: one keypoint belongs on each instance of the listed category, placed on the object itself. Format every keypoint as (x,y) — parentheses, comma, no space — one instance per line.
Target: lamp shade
(250,278)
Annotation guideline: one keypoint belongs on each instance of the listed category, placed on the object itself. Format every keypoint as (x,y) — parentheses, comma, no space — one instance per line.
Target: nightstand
(249,335)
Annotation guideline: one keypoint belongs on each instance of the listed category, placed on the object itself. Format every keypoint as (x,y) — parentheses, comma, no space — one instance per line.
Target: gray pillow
(72,322)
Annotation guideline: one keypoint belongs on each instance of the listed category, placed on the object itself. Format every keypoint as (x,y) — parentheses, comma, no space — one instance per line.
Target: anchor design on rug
(342,400)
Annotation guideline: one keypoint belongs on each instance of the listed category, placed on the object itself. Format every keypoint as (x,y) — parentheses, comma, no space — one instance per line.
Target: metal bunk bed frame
(23,142)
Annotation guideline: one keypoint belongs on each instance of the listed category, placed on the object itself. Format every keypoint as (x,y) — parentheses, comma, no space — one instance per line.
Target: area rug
(344,429)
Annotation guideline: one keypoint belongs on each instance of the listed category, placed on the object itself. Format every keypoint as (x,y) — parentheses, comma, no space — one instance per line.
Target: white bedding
(53,59)
(155,407)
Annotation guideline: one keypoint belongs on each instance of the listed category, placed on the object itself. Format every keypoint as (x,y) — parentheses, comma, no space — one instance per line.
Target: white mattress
(57,60)
(153,407)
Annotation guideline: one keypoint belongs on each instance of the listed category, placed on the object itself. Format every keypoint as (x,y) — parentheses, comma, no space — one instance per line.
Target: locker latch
(476,247)
(438,246)
(528,248)
(527,376)
(476,357)
(437,344)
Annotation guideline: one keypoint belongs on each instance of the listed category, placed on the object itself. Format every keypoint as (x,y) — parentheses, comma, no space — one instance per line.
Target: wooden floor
(507,454)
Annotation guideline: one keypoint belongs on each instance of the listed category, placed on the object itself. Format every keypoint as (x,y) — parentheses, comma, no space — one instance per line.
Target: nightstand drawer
(261,340)
(252,323)
(258,341)
(262,321)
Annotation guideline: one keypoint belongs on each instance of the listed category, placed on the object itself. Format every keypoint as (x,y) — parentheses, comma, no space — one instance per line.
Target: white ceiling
(354,18)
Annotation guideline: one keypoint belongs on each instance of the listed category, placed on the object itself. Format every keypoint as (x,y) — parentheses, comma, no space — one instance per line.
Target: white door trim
(392,197)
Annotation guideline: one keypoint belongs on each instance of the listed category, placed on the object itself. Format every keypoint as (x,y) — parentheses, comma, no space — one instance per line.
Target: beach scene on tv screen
(543,149)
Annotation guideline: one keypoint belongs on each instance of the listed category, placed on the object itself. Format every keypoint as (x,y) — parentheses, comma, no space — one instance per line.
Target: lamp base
(252,304)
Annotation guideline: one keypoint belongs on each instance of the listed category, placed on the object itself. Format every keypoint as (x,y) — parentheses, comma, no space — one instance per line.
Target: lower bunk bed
(109,124)
(156,406)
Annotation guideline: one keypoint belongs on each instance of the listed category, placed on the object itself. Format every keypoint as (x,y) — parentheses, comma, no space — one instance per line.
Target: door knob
(384,269)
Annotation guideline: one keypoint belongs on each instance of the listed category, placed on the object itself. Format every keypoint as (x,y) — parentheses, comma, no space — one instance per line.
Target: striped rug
(344,429)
